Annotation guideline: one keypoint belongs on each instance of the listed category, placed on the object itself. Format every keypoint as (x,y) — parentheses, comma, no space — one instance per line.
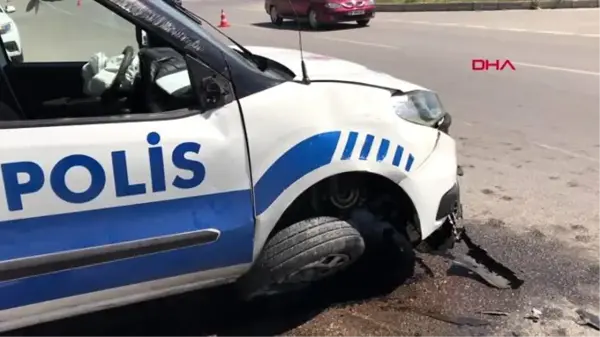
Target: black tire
(363,23)
(313,23)
(295,247)
(386,264)
(275,18)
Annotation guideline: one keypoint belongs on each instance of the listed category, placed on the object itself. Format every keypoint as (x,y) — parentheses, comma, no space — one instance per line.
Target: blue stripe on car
(303,158)
(230,212)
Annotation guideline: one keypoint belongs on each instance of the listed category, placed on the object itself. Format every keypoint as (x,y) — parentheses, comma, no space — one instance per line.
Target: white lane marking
(568,70)
(523,64)
(58,9)
(370,44)
(385,46)
(567,152)
(514,30)
(475,26)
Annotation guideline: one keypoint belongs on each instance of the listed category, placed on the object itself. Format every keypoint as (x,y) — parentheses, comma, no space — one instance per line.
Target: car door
(99,205)
(284,7)
(300,7)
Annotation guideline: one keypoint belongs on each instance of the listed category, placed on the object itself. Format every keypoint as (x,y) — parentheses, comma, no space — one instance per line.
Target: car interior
(38,91)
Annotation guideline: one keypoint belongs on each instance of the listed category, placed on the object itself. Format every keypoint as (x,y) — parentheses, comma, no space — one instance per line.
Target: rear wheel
(275,18)
(363,23)
(312,20)
(305,252)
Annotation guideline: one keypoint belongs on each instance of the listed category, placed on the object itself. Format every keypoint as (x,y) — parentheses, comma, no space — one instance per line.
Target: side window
(79,59)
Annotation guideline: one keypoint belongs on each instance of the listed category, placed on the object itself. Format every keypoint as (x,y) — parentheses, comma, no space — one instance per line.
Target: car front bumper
(12,43)
(346,15)
(434,188)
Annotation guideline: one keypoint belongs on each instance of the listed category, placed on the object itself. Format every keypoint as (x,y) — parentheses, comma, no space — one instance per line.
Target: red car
(321,12)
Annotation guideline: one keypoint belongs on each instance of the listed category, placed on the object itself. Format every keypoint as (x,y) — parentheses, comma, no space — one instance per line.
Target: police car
(262,170)
(10,33)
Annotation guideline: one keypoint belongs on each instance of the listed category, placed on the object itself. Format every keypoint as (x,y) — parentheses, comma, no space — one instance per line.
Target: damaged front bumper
(449,217)
(453,231)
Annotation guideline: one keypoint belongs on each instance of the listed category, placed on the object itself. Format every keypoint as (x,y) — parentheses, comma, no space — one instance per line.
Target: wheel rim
(312,18)
(319,269)
(274,15)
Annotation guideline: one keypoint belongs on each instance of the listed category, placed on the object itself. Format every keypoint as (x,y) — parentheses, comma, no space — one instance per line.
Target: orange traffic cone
(223,24)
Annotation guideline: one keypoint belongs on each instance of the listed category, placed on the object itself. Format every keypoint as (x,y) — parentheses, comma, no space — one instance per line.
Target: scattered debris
(457,320)
(587,318)
(494,313)
(534,315)
(425,267)
(480,262)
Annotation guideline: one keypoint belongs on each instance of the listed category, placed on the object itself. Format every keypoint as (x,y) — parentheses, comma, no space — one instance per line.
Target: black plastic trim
(444,124)
(448,202)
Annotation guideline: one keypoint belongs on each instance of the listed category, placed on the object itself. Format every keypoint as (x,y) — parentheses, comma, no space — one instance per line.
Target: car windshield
(177,22)
(205,27)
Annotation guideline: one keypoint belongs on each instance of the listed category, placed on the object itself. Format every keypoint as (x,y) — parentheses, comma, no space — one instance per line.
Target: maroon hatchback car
(321,12)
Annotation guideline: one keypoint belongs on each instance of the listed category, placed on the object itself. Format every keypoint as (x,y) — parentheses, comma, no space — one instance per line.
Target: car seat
(156,63)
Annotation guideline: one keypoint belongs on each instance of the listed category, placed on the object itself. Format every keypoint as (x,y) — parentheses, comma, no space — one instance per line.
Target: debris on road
(480,262)
(428,271)
(587,318)
(457,320)
(534,315)
(494,313)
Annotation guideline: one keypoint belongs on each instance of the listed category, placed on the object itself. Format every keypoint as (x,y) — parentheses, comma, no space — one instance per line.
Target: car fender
(308,133)
(268,218)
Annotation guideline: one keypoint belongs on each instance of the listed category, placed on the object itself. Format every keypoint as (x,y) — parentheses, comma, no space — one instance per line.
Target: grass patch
(431,1)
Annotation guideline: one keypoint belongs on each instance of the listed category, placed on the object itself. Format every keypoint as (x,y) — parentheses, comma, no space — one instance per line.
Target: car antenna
(305,78)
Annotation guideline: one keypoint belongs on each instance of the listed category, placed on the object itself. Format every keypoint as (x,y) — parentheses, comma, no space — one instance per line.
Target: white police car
(129,196)
(10,33)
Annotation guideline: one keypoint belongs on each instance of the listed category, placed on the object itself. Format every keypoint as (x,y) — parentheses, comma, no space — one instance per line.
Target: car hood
(321,67)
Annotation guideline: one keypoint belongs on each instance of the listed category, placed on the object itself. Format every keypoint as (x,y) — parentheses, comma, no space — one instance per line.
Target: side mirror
(213,93)
(10,9)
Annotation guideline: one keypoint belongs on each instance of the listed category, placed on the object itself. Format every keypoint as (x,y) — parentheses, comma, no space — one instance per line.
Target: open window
(87,64)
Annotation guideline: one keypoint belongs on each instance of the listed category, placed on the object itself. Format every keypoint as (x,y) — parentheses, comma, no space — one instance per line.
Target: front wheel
(305,252)
(275,18)
(363,23)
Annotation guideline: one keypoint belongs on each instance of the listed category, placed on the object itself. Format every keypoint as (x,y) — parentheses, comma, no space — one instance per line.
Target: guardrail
(486,6)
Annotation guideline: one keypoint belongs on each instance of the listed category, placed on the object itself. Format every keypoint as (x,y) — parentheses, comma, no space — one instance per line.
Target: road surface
(528,140)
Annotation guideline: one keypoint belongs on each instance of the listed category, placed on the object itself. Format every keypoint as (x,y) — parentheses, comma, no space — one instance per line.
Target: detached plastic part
(589,319)
(480,262)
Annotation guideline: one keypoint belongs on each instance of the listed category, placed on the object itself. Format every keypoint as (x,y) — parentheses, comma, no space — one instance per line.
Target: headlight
(372,2)
(5,28)
(332,5)
(421,107)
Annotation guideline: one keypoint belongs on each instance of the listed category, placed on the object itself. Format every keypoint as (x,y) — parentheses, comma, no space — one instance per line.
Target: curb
(487,6)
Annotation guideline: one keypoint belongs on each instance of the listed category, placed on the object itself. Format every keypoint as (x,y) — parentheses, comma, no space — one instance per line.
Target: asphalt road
(529,144)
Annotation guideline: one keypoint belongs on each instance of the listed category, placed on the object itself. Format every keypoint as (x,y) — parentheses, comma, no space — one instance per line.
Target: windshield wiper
(247,54)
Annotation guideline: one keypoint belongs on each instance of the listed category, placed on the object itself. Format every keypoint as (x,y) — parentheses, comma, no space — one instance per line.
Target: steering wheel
(111,95)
